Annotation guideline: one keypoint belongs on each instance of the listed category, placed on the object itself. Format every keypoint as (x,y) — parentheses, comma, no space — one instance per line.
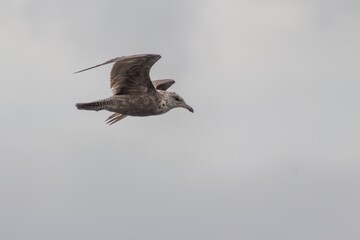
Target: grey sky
(271,152)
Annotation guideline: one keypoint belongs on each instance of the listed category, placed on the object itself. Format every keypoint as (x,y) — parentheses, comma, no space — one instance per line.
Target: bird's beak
(189,108)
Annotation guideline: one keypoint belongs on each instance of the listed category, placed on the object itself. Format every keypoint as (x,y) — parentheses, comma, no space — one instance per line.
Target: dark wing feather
(163,84)
(107,62)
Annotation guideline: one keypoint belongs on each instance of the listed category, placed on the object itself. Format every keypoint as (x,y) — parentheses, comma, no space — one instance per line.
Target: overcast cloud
(271,152)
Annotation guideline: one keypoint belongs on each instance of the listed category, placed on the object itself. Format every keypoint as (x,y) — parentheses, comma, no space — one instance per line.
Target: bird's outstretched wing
(162,84)
(130,74)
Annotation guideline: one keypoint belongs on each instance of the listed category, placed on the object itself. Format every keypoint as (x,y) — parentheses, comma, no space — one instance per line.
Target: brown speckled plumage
(134,94)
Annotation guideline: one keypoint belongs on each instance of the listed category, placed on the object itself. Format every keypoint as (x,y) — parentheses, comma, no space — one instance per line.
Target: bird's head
(174,101)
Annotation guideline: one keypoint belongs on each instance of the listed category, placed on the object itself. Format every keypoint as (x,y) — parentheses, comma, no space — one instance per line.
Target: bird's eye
(177,98)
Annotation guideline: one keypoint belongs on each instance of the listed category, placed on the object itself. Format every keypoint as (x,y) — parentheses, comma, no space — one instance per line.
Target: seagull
(134,94)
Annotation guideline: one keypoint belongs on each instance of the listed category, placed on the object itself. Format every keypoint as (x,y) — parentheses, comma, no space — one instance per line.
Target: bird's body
(138,105)
(134,94)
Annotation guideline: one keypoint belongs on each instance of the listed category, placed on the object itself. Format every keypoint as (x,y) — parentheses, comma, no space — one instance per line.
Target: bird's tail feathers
(94,106)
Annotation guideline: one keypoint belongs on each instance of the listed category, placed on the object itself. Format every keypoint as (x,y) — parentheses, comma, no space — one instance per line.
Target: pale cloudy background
(271,152)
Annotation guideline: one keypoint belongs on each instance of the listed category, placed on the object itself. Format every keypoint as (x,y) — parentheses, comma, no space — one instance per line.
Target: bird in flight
(134,94)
